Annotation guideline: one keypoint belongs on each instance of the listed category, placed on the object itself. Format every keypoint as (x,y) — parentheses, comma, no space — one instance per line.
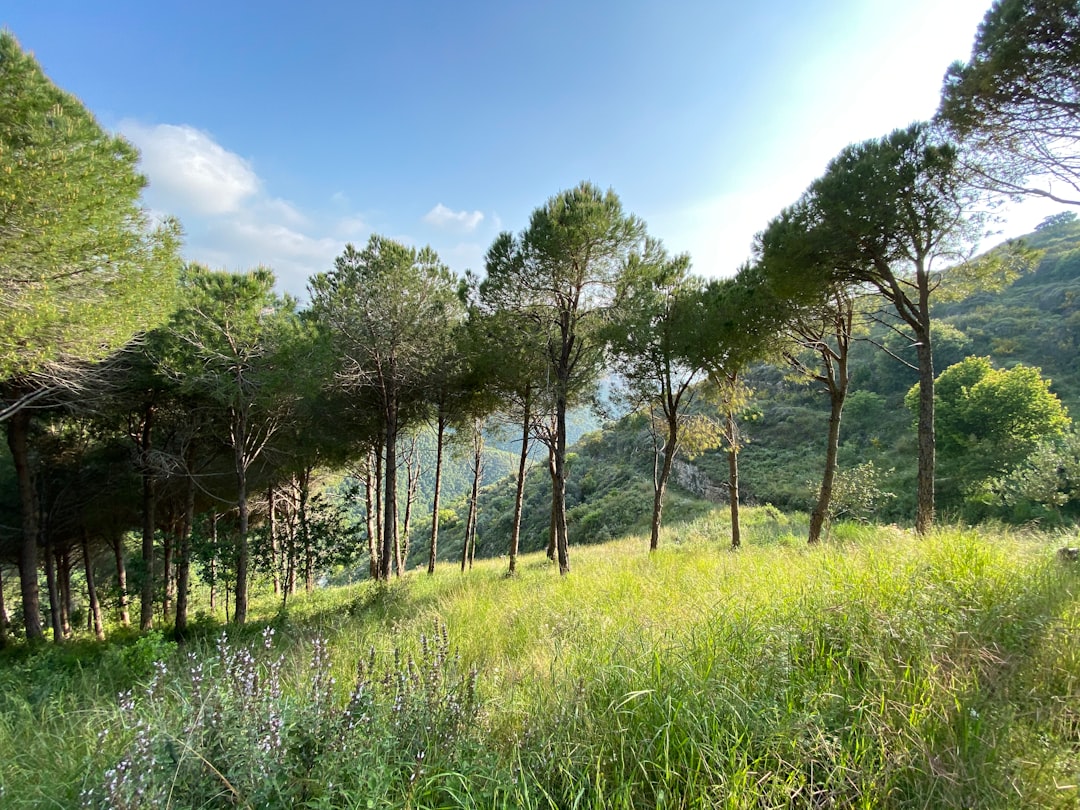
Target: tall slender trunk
(559,489)
(371,513)
(924,516)
(91,589)
(213,558)
(440,435)
(3,613)
(553,543)
(412,479)
(733,478)
(389,527)
(275,542)
(519,492)
(304,480)
(478,474)
(168,545)
(183,562)
(121,579)
(239,436)
(18,432)
(63,581)
(54,593)
(661,475)
(149,497)
(821,508)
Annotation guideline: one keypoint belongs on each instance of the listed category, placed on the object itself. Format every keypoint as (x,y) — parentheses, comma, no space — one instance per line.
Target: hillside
(878,671)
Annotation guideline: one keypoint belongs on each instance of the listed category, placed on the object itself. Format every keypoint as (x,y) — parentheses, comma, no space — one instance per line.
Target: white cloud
(442,217)
(187,166)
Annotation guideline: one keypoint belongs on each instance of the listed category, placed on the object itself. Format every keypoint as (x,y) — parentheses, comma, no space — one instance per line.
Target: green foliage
(1014,100)
(989,420)
(82,268)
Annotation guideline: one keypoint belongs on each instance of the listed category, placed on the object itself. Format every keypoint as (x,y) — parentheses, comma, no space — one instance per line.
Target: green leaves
(82,268)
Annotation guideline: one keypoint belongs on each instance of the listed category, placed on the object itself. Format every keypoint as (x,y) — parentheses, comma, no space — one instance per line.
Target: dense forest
(188,445)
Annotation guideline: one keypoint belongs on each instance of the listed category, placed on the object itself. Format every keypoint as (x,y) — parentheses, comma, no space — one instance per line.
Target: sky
(279,131)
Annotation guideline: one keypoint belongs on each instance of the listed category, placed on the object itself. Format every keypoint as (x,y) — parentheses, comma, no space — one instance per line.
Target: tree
(1016,101)
(990,420)
(562,273)
(893,213)
(82,270)
(232,333)
(384,308)
(649,337)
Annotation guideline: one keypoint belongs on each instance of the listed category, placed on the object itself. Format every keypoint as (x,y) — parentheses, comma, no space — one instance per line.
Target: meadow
(879,670)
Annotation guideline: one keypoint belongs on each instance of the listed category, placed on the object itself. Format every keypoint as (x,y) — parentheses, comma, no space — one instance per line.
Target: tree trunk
(821,508)
(121,579)
(733,479)
(412,478)
(553,543)
(559,489)
(389,527)
(146,608)
(304,481)
(239,444)
(371,507)
(519,492)
(91,590)
(213,559)
(63,581)
(924,516)
(54,593)
(660,478)
(168,543)
(18,432)
(275,543)
(183,562)
(3,613)
(440,434)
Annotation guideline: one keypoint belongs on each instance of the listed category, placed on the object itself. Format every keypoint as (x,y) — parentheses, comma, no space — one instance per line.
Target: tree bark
(440,435)
(121,579)
(168,544)
(389,527)
(18,432)
(733,479)
(553,543)
(304,480)
(660,478)
(239,443)
(371,506)
(63,581)
(924,516)
(54,593)
(91,589)
(519,492)
(183,562)
(559,489)
(3,613)
(149,497)
(832,448)
(275,542)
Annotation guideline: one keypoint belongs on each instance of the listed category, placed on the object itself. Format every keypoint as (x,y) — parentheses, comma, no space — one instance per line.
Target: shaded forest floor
(876,671)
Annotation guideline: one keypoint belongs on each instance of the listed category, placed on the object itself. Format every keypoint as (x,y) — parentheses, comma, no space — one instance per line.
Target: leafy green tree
(231,339)
(385,308)
(562,273)
(653,325)
(900,215)
(1016,101)
(989,420)
(82,269)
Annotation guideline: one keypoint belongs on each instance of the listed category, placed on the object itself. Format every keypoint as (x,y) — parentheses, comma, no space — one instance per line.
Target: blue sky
(278,131)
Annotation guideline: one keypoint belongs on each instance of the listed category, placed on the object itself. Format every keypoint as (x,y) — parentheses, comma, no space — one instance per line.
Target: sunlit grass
(877,670)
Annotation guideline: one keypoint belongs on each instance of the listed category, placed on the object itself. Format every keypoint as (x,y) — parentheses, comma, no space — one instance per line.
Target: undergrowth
(879,670)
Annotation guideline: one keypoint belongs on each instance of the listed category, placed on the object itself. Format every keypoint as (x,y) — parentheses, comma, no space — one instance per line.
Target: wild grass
(879,670)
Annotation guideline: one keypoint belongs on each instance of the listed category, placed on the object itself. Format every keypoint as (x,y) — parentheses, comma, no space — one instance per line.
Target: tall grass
(880,670)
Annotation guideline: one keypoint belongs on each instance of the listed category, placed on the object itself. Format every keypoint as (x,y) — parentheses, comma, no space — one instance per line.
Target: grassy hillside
(877,671)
